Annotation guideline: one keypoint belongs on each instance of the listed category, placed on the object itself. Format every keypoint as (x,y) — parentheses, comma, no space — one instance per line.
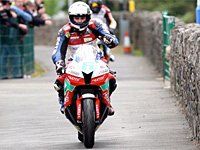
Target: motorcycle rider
(103,13)
(81,29)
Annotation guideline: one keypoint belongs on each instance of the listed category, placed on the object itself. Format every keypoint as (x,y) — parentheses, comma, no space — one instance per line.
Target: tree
(51,7)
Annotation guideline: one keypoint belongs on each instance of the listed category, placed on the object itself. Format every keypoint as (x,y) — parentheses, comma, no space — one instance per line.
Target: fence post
(168,24)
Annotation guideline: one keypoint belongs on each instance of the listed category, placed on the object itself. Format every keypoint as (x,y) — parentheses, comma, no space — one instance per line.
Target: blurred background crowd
(31,12)
(17,20)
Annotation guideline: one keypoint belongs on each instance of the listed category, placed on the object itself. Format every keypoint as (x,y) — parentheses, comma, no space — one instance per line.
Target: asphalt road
(147,116)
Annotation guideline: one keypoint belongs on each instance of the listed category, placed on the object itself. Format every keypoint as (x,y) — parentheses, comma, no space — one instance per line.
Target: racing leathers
(69,40)
(105,15)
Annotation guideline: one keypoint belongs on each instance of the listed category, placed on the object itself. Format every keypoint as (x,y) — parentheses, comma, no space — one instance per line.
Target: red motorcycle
(86,93)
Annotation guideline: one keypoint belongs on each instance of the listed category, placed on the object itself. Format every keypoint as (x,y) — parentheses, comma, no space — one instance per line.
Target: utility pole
(124,24)
(121,9)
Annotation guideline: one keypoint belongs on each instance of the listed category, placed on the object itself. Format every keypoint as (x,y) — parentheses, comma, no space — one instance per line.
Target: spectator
(10,15)
(9,50)
(36,20)
(40,7)
(23,17)
(41,10)
(17,7)
(6,14)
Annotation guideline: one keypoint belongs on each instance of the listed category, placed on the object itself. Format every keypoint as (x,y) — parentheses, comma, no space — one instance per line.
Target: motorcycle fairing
(71,82)
(105,92)
(87,77)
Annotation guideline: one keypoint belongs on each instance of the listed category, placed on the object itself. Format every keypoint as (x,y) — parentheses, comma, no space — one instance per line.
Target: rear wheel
(88,123)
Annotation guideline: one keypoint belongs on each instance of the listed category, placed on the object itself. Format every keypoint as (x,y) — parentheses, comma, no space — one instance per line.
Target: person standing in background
(9,50)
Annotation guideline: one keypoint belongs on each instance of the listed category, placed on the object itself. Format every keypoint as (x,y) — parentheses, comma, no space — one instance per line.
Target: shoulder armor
(66,30)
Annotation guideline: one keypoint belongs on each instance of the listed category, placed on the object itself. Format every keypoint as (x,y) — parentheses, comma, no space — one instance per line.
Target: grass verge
(39,71)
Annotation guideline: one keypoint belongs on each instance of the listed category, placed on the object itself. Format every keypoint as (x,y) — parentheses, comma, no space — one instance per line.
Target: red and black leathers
(69,39)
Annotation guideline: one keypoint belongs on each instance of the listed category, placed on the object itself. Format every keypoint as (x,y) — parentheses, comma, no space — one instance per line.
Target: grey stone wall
(185,72)
(46,35)
(146,34)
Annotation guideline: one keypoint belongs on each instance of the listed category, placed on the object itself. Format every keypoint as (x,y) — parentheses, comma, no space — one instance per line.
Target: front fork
(79,108)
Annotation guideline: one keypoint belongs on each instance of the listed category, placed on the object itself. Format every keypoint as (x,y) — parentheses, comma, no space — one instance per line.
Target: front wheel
(88,123)
(80,137)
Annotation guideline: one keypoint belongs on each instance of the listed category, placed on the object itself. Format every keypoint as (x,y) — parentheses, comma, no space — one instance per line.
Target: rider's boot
(59,88)
(61,102)
(111,111)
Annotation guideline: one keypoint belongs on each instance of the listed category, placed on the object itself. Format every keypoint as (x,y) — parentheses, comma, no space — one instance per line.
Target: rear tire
(88,123)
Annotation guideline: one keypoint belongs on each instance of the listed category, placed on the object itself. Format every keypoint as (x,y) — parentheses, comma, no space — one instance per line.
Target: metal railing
(168,24)
(16,52)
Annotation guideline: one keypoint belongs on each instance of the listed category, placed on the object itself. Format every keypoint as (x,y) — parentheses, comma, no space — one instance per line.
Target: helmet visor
(80,20)
(95,7)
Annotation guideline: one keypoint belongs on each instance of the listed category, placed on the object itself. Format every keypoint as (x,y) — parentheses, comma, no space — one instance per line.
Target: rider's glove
(109,41)
(60,67)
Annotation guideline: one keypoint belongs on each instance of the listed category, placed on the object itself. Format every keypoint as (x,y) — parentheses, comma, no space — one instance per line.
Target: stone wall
(185,72)
(146,34)
(46,35)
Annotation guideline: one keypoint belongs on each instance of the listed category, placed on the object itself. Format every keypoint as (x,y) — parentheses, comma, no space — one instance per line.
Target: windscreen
(86,53)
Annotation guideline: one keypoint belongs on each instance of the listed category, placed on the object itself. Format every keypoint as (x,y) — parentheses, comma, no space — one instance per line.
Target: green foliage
(65,7)
(110,5)
(51,6)
(189,17)
(184,9)
(39,71)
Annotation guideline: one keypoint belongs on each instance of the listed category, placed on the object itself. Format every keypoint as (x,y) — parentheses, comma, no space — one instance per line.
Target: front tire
(88,123)
(80,137)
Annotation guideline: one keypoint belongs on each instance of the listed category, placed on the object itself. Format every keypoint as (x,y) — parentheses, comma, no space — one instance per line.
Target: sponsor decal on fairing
(87,39)
(103,71)
(98,79)
(74,78)
(75,37)
(74,72)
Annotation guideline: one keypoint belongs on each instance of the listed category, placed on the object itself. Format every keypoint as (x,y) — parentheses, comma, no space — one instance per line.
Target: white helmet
(79,9)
